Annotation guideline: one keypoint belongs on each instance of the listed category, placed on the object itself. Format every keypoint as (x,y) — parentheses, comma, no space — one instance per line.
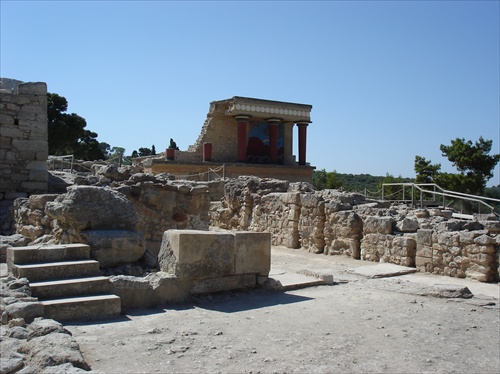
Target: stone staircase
(65,281)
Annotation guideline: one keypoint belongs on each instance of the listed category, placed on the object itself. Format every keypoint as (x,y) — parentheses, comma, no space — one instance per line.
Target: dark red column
(273,140)
(242,137)
(302,142)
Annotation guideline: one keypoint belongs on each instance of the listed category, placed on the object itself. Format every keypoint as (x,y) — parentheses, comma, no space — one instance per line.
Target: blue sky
(388,80)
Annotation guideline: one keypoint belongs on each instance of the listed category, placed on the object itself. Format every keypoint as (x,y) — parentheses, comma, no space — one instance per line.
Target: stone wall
(23,144)
(460,253)
(131,217)
(335,223)
(329,222)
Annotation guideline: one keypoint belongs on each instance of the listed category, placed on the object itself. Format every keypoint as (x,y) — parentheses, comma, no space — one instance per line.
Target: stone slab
(383,270)
(70,287)
(56,270)
(82,308)
(294,281)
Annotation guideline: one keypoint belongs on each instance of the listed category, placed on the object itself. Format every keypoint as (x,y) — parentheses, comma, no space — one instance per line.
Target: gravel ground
(388,325)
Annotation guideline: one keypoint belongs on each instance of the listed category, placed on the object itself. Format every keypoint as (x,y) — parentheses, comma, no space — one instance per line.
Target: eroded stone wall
(335,223)
(97,216)
(23,141)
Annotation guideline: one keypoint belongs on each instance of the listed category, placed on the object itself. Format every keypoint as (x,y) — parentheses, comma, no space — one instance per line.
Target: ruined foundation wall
(23,144)
(158,207)
(337,223)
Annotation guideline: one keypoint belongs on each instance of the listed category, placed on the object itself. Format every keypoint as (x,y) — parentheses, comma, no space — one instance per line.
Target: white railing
(437,191)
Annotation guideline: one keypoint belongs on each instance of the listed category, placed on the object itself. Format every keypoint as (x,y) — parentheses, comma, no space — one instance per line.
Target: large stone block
(93,208)
(378,225)
(114,247)
(193,254)
(151,290)
(34,88)
(424,237)
(232,282)
(253,253)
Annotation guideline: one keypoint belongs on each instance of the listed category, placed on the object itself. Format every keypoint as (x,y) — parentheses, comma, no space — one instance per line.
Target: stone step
(35,254)
(69,287)
(56,270)
(90,307)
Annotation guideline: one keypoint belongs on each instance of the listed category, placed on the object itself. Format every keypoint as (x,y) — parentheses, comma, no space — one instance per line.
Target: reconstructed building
(247,137)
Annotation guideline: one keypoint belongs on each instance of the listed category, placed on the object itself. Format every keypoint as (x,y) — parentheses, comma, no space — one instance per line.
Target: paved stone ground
(359,324)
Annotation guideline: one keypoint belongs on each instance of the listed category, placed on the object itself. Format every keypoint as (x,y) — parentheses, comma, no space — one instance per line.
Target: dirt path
(361,325)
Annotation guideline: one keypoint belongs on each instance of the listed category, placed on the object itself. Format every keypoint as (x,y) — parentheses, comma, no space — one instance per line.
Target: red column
(273,140)
(302,142)
(242,138)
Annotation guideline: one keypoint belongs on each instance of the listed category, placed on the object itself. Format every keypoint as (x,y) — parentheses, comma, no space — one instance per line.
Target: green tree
(106,149)
(173,145)
(144,152)
(319,179)
(473,161)
(425,170)
(67,133)
(153,150)
(326,180)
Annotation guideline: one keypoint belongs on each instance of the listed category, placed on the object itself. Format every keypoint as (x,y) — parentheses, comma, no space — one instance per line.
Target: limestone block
(440,213)
(93,208)
(407,224)
(33,145)
(6,120)
(477,275)
(39,201)
(145,292)
(481,258)
(290,198)
(424,237)
(227,283)
(378,225)
(253,253)
(484,240)
(34,88)
(467,237)
(27,310)
(53,349)
(448,239)
(114,247)
(41,327)
(5,142)
(11,132)
(422,213)
(193,254)
(493,227)
(424,251)
(27,155)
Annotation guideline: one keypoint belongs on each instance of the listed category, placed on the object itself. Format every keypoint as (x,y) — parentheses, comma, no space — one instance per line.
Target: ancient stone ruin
(136,236)
(23,143)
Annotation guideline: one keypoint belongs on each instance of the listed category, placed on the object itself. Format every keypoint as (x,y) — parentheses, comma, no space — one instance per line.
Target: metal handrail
(444,193)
